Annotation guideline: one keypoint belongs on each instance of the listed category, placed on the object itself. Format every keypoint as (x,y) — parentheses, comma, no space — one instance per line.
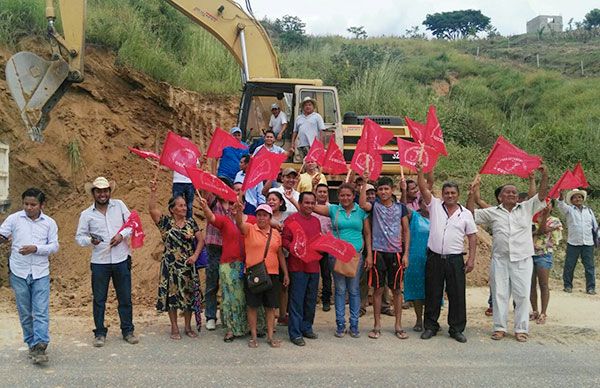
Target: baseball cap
(234,130)
(370,187)
(266,208)
(289,171)
(274,106)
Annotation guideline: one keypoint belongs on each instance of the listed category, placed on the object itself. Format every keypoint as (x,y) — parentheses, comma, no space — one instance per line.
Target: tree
(456,24)
(291,31)
(592,19)
(358,32)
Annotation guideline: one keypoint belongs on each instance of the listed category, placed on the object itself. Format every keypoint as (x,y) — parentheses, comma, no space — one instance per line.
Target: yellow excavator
(37,84)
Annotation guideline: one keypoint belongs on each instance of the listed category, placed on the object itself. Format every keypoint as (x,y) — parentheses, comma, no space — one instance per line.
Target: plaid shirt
(213,235)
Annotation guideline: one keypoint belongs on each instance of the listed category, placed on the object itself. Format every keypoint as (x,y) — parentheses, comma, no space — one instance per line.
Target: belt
(446,257)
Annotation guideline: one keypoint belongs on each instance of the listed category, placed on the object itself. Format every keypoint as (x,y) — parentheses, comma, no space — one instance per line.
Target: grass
(74,153)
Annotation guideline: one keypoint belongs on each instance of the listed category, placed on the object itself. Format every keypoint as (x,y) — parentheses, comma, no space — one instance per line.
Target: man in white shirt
(34,237)
(269,144)
(289,178)
(307,128)
(450,223)
(512,251)
(111,257)
(278,122)
(580,242)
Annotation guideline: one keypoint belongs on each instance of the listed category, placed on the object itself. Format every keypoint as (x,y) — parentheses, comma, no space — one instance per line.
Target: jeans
(185,190)
(345,284)
(303,291)
(326,279)
(587,258)
(212,280)
(33,299)
(121,278)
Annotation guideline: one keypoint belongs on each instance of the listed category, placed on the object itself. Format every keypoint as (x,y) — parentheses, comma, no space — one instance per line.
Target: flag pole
(401,172)
(421,150)
(156,172)
(348,175)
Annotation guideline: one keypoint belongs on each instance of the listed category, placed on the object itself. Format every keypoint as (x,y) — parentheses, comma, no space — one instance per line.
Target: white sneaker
(211,324)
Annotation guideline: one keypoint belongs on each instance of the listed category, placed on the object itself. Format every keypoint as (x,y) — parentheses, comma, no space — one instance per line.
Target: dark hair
(348,186)
(172,201)
(304,194)
(227,181)
(523,196)
(323,185)
(450,185)
(269,131)
(36,193)
(282,207)
(497,192)
(385,181)
(245,158)
(409,181)
(359,179)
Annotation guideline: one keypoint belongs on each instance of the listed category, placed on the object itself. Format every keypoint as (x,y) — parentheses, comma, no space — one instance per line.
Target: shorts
(300,154)
(386,265)
(268,298)
(543,261)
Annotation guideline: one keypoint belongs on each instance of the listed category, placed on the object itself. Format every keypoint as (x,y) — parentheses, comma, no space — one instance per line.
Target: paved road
(328,361)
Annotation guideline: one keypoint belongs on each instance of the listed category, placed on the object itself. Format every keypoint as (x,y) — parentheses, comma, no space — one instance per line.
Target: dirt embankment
(114,108)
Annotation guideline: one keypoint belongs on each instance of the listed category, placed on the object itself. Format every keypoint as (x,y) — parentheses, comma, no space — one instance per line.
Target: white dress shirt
(289,207)
(105,226)
(447,234)
(42,232)
(511,230)
(579,223)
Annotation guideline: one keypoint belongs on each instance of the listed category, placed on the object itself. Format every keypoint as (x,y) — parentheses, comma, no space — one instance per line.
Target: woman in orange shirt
(255,241)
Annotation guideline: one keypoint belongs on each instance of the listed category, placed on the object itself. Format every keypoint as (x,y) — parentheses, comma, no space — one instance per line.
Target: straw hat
(571,193)
(100,183)
(308,99)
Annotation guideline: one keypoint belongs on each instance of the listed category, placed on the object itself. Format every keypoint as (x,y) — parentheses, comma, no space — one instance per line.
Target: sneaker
(131,338)
(211,324)
(591,291)
(311,335)
(354,333)
(340,332)
(299,341)
(39,355)
(99,341)
(568,290)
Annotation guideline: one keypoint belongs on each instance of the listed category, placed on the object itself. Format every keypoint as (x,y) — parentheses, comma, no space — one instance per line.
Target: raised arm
(239,217)
(474,193)
(403,190)
(543,189)
(362,198)
(422,183)
(153,207)
(531,190)
(267,186)
(210,216)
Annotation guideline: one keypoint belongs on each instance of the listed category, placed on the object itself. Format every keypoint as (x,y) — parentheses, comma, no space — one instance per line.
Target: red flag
(144,154)
(263,165)
(579,174)
(334,159)
(340,249)
(567,181)
(375,135)
(369,149)
(435,137)
(316,153)
(208,182)
(300,246)
(179,153)
(507,159)
(220,140)
(417,130)
(137,232)
(408,154)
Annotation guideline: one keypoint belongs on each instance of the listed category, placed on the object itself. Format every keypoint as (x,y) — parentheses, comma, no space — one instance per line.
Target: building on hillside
(545,24)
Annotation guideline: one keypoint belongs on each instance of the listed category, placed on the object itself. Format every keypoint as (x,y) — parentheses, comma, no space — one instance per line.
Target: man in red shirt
(298,230)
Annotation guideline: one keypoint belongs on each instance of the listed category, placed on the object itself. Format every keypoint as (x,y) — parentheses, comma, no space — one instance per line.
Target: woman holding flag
(183,242)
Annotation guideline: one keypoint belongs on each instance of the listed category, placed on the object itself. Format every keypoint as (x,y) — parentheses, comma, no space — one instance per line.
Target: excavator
(37,84)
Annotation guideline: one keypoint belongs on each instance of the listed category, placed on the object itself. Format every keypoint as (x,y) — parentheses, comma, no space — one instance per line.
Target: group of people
(412,246)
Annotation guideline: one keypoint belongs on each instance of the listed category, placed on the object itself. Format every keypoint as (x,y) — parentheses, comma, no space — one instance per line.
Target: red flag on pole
(417,130)
(375,135)
(316,153)
(435,137)
(334,162)
(369,148)
(579,174)
(208,182)
(144,154)
(566,181)
(263,165)
(220,140)
(337,248)
(507,159)
(179,153)
(137,232)
(408,154)
(299,246)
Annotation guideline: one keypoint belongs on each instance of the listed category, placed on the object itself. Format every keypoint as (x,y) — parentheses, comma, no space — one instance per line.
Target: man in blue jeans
(34,237)
(111,257)
(580,223)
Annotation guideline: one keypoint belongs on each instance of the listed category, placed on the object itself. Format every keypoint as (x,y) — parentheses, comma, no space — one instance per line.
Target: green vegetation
(74,155)
(456,24)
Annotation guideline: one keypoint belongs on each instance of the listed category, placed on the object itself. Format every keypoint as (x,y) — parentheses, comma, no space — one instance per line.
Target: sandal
(534,315)
(190,333)
(375,333)
(418,328)
(489,312)
(401,334)
(228,337)
(521,337)
(541,319)
(252,343)
(175,336)
(498,335)
(274,343)
(362,311)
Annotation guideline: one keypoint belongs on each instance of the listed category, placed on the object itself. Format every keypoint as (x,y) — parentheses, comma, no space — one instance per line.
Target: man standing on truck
(278,123)
(307,128)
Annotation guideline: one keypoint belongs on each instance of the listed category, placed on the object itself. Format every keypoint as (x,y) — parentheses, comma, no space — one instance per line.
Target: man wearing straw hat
(580,242)
(111,257)
(307,128)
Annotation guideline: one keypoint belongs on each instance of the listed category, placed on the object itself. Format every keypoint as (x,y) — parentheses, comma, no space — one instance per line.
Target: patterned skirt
(176,287)
(233,303)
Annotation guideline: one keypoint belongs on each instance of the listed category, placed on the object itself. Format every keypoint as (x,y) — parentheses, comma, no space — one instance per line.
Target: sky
(394,17)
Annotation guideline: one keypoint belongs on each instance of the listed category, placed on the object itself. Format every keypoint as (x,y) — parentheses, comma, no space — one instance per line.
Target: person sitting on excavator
(278,122)
(307,128)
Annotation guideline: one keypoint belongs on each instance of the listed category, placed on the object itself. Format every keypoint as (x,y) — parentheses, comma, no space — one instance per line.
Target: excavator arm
(37,84)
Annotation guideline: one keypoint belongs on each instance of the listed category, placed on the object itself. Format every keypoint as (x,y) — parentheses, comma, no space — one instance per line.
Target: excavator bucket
(36,85)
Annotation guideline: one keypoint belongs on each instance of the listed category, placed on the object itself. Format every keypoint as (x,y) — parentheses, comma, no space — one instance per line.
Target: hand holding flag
(507,159)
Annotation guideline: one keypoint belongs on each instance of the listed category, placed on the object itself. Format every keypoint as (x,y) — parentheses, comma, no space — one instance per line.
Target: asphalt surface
(158,361)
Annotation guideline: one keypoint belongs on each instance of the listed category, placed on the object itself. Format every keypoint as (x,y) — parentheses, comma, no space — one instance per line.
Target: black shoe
(460,337)
(299,341)
(311,335)
(591,291)
(39,354)
(568,290)
(427,334)
(326,307)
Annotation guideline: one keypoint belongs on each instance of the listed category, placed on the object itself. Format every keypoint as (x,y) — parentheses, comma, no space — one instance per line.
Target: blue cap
(234,130)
